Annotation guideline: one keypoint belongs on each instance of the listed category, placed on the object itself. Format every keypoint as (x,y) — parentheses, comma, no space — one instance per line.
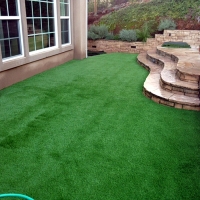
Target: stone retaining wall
(192,37)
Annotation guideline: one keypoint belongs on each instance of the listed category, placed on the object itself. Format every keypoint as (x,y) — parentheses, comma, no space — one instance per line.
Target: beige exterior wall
(80,32)
(14,75)
(20,68)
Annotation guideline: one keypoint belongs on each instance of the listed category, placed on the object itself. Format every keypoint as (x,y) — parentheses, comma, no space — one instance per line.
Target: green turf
(85,131)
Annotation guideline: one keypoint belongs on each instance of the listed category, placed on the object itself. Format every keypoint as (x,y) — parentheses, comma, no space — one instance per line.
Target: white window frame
(39,51)
(25,56)
(69,18)
(20,32)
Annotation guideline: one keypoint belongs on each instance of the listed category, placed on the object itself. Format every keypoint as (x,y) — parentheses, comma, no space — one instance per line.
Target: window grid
(11,44)
(42,37)
(65,21)
(43,24)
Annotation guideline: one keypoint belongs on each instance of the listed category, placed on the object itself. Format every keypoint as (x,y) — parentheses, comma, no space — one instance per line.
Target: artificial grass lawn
(84,130)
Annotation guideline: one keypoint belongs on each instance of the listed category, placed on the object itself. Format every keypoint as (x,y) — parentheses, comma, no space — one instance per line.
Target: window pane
(51,25)
(5,48)
(28,9)
(65,31)
(30,26)
(13,27)
(65,37)
(15,47)
(64,9)
(12,8)
(52,39)
(37,25)
(44,9)
(3,8)
(46,40)
(3,29)
(64,24)
(31,41)
(50,9)
(36,8)
(45,25)
(38,39)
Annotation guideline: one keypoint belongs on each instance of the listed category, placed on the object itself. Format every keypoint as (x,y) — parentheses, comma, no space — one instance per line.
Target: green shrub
(93,29)
(110,36)
(176,44)
(102,31)
(92,35)
(166,24)
(97,32)
(128,35)
(116,37)
(144,32)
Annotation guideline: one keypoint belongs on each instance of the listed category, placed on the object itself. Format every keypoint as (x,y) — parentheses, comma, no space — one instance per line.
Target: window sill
(33,56)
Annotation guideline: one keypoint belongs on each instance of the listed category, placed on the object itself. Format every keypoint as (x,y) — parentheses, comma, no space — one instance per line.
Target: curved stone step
(153,90)
(169,79)
(188,62)
(154,68)
(171,82)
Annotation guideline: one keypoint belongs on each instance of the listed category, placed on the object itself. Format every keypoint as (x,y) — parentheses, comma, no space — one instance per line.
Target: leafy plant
(102,31)
(166,24)
(97,32)
(92,35)
(110,36)
(176,44)
(144,32)
(128,35)
(116,37)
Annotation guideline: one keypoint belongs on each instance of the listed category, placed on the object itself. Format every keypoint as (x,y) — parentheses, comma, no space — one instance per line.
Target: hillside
(184,12)
(104,9)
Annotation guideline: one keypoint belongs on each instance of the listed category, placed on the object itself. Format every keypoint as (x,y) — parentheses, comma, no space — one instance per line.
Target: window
(41,18)
(65,21)
(10,28)
(40,24)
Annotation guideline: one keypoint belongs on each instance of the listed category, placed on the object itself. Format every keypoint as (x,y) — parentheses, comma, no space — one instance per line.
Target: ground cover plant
(84,130)
(173,44)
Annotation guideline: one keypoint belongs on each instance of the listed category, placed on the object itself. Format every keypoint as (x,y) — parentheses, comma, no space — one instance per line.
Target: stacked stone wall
(192,37)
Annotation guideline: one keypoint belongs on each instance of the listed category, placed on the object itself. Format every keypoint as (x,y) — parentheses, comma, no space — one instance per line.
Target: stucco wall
(14,75)
(192,37)
(79,27)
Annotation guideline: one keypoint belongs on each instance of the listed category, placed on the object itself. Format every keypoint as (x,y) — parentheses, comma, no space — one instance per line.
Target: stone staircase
(174,78)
